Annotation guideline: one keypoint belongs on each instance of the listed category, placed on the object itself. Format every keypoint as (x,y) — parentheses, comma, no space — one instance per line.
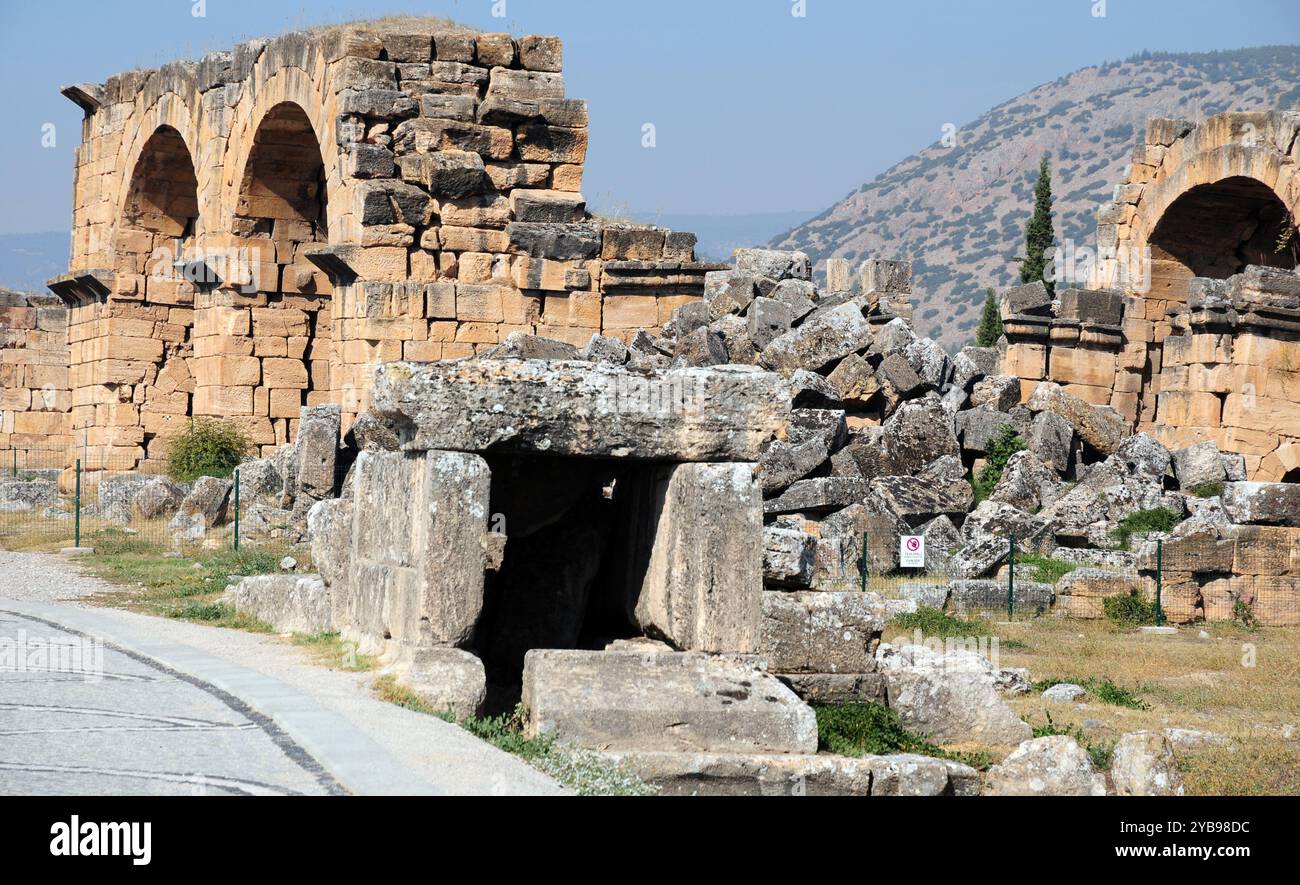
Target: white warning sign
(911,552)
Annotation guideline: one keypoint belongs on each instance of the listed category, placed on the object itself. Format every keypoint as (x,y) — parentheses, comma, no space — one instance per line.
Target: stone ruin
(583,472)
(257,231)
(1204,344)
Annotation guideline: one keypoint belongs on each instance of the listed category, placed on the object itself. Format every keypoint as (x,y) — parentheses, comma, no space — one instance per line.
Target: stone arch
(278,204)
(160,209)
(1200,200)
(148,381)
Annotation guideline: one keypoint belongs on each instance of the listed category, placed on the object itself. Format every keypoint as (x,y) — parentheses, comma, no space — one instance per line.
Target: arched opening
(1216,230)
(159,216)
(158,227)
(282,209)
(283,195)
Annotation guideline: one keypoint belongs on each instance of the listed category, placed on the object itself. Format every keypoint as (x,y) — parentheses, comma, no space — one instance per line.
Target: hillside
(960,212)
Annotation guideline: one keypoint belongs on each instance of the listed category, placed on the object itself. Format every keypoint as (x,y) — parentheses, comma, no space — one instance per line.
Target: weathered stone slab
(583,410)
(449,680)
(821,632)
(950,698)
(1263,503)
(1049,766)
(416,570)
(1101,427)
(648,702)
(702,586)
(704,774)
(289,603)
(317,446)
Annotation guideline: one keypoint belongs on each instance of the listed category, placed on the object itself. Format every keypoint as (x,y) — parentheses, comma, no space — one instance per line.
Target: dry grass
(1241,684)
(398,24)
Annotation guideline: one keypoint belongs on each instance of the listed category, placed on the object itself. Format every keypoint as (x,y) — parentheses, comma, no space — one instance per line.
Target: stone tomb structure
(559,505)
(256,231)
(1203,342)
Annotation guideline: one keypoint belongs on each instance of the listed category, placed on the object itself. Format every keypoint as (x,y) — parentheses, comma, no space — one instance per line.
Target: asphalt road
(96,701)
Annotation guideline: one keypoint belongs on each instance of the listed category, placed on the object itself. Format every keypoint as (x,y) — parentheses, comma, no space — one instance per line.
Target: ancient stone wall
(256,231)
(34,394)
(1155,334)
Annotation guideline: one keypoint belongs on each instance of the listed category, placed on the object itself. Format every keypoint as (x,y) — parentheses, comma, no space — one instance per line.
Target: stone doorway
(579,535)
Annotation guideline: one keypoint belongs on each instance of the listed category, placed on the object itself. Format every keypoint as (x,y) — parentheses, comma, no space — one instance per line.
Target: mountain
(28,260)
(959,212)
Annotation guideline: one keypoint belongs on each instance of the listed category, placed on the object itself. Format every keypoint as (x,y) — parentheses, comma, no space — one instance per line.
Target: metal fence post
(15,469)
(1011,582)
(865,562)
(1160,580)
(236,510)
(76,541)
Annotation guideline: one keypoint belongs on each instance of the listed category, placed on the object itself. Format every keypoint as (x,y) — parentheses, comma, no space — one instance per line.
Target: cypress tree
(1039,236)
(990,328)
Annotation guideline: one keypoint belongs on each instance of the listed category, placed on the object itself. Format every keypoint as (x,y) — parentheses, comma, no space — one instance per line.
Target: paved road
(103,702)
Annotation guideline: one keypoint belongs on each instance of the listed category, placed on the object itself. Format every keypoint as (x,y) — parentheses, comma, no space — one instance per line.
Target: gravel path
(228,711)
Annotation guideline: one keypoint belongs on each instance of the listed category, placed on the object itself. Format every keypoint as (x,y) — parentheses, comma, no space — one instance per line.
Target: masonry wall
(255,232)
(34,393)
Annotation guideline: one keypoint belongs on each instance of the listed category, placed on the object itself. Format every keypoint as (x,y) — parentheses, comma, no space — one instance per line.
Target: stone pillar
(702,590)
(416,571)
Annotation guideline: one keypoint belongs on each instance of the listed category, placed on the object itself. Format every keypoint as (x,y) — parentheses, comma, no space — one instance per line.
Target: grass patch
(331,650)
(1208,490)
(585,772)
(1100,688)
(857,730)
(1129,611)
(1049,570)
(933,622)
(1159,519)
(1102,753)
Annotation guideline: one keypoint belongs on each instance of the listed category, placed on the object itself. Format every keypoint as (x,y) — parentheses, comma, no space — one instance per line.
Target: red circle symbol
(913,544)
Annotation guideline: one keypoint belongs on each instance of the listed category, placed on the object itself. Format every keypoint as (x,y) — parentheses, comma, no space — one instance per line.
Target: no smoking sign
(911,552)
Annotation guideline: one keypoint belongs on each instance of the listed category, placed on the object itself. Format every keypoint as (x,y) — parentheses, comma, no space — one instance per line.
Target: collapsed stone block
(655,702)
(702,586)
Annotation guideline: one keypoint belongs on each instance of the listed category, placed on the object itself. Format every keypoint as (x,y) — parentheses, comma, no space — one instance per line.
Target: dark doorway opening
(579,539)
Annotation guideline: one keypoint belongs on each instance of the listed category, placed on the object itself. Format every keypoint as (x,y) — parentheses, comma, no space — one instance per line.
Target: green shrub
(1159,519)
(1243,614)
(867,730)
(858,730)
(933,622)
(207,448)
(1005,445)
(1130,611)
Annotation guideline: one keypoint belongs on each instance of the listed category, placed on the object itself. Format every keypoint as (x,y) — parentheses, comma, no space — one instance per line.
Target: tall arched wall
(453,167)
(1224,367)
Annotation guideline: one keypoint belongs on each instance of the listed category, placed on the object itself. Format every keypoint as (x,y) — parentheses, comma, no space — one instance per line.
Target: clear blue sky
(756,110)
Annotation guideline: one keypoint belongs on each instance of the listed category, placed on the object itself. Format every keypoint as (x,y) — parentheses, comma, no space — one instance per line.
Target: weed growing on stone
(1159,519)
(1102,753)
(1005,445)
(1103,690)
(1049,570)
(857,730)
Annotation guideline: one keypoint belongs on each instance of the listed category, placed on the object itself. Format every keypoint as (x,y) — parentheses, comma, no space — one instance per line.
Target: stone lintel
(579,409)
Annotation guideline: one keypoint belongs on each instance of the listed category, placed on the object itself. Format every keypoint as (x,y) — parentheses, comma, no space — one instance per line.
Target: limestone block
(821,632)
(625,701)
(417,562)
(703,581)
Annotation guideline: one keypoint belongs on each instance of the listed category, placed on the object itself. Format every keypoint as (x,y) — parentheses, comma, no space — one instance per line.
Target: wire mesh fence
(1250,576)
(54,499)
